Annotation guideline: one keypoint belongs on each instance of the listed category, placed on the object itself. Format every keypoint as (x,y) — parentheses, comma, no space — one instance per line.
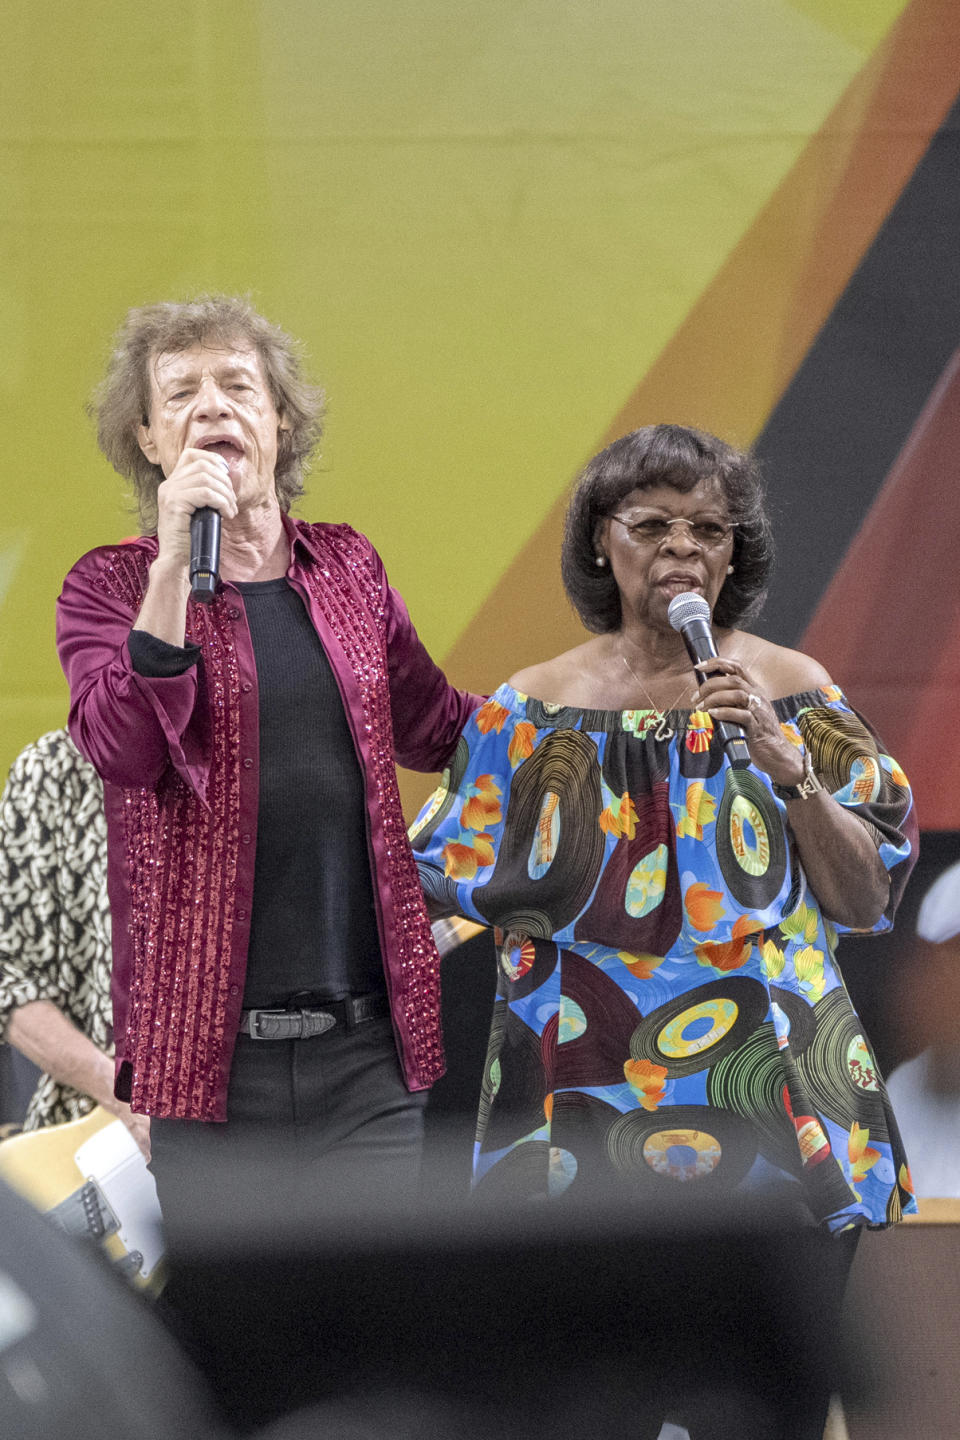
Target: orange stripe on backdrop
(731,359)
(889,622)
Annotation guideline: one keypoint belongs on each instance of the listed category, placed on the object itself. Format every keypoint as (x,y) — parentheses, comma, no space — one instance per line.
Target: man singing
(273,960)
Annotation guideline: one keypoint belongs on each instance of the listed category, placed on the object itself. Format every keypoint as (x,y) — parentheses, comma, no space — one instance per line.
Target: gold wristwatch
(808,786)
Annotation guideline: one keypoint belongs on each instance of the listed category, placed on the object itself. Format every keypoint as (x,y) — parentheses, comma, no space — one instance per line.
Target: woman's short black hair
(680,457)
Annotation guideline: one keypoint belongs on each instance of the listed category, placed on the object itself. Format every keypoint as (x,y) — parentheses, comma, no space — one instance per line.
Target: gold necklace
(663,730)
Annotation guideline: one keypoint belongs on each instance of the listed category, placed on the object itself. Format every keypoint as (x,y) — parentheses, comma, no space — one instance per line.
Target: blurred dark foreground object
(333,1315)
(516,1320)
(82,1355)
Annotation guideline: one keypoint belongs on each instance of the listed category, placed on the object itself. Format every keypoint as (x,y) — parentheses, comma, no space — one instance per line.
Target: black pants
(316,1106)
(328,1116)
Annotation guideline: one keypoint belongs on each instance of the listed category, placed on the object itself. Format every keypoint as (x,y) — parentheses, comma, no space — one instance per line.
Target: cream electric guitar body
(90,1179)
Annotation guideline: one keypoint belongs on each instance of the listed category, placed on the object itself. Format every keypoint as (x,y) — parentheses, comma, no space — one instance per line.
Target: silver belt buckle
(252,1027)
(307,1022)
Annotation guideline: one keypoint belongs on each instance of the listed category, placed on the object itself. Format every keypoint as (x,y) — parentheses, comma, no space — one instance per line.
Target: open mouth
(229,449)
(677,584)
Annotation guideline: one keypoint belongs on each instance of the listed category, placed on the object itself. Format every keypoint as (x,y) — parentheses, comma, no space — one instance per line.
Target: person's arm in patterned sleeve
(839,843)
(46,1036)
(41,905)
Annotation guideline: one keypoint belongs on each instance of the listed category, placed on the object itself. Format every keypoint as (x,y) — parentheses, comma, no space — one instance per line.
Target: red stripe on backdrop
(888,626)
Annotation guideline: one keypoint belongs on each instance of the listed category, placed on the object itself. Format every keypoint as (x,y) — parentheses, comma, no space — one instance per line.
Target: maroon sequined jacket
(179,758)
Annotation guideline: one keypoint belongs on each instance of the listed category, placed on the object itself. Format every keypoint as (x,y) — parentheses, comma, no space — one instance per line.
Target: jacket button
(247,763)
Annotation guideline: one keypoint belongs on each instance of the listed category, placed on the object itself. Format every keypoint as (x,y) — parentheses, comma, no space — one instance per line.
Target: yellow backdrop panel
(486,220)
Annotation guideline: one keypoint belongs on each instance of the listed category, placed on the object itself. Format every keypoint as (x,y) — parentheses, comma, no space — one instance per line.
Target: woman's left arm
(840,859)
(838,852)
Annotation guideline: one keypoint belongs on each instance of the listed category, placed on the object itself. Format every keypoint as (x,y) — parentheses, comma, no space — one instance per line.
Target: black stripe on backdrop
(833,437)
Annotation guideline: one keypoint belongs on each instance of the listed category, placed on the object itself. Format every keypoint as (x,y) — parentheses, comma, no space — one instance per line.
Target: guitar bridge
(85,1213)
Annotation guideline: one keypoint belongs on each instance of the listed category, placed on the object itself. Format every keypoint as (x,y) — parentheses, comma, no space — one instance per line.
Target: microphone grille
(685,607)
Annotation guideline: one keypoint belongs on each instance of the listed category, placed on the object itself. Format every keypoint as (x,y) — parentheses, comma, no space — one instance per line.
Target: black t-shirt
(313,925)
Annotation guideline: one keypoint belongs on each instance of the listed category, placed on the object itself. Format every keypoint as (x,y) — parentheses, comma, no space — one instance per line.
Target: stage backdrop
(509,230)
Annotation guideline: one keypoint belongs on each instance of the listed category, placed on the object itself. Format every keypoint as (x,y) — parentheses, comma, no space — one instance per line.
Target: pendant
(655,727)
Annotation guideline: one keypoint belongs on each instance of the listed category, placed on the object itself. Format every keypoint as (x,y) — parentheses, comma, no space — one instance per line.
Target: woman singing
(670,1018)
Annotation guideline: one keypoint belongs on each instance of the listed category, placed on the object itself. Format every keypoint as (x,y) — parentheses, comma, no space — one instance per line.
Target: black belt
(313,1019)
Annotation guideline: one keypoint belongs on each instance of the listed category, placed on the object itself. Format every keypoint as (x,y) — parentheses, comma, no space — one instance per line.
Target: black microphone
(204,553)
(689,613)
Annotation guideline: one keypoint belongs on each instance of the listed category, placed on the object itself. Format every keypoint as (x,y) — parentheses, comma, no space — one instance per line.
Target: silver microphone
(689,614)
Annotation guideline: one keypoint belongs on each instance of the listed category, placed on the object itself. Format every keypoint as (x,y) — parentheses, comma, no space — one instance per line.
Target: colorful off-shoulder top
(669,1009)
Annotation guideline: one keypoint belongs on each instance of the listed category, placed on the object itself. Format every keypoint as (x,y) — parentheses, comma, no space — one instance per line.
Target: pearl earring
(729,569)
(600,560)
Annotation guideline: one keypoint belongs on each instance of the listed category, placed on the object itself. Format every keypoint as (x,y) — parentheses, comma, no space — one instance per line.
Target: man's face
(214,398)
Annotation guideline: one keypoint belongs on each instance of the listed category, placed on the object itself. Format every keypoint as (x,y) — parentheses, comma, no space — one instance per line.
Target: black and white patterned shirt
(54,913)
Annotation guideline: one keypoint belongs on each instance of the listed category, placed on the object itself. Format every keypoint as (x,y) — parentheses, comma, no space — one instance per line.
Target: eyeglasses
(653,531)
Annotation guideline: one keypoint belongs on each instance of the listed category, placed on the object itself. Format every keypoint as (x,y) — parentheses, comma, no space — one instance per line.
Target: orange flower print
(491,717)
(647,1081)
(482,808)
(862,1157)
(704,906)
(640,966)
(730,954)
(521,742)
(791,732)
(609,822)
(897,775)
(620,817)
(459,861)
(722,955)
(464,857)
